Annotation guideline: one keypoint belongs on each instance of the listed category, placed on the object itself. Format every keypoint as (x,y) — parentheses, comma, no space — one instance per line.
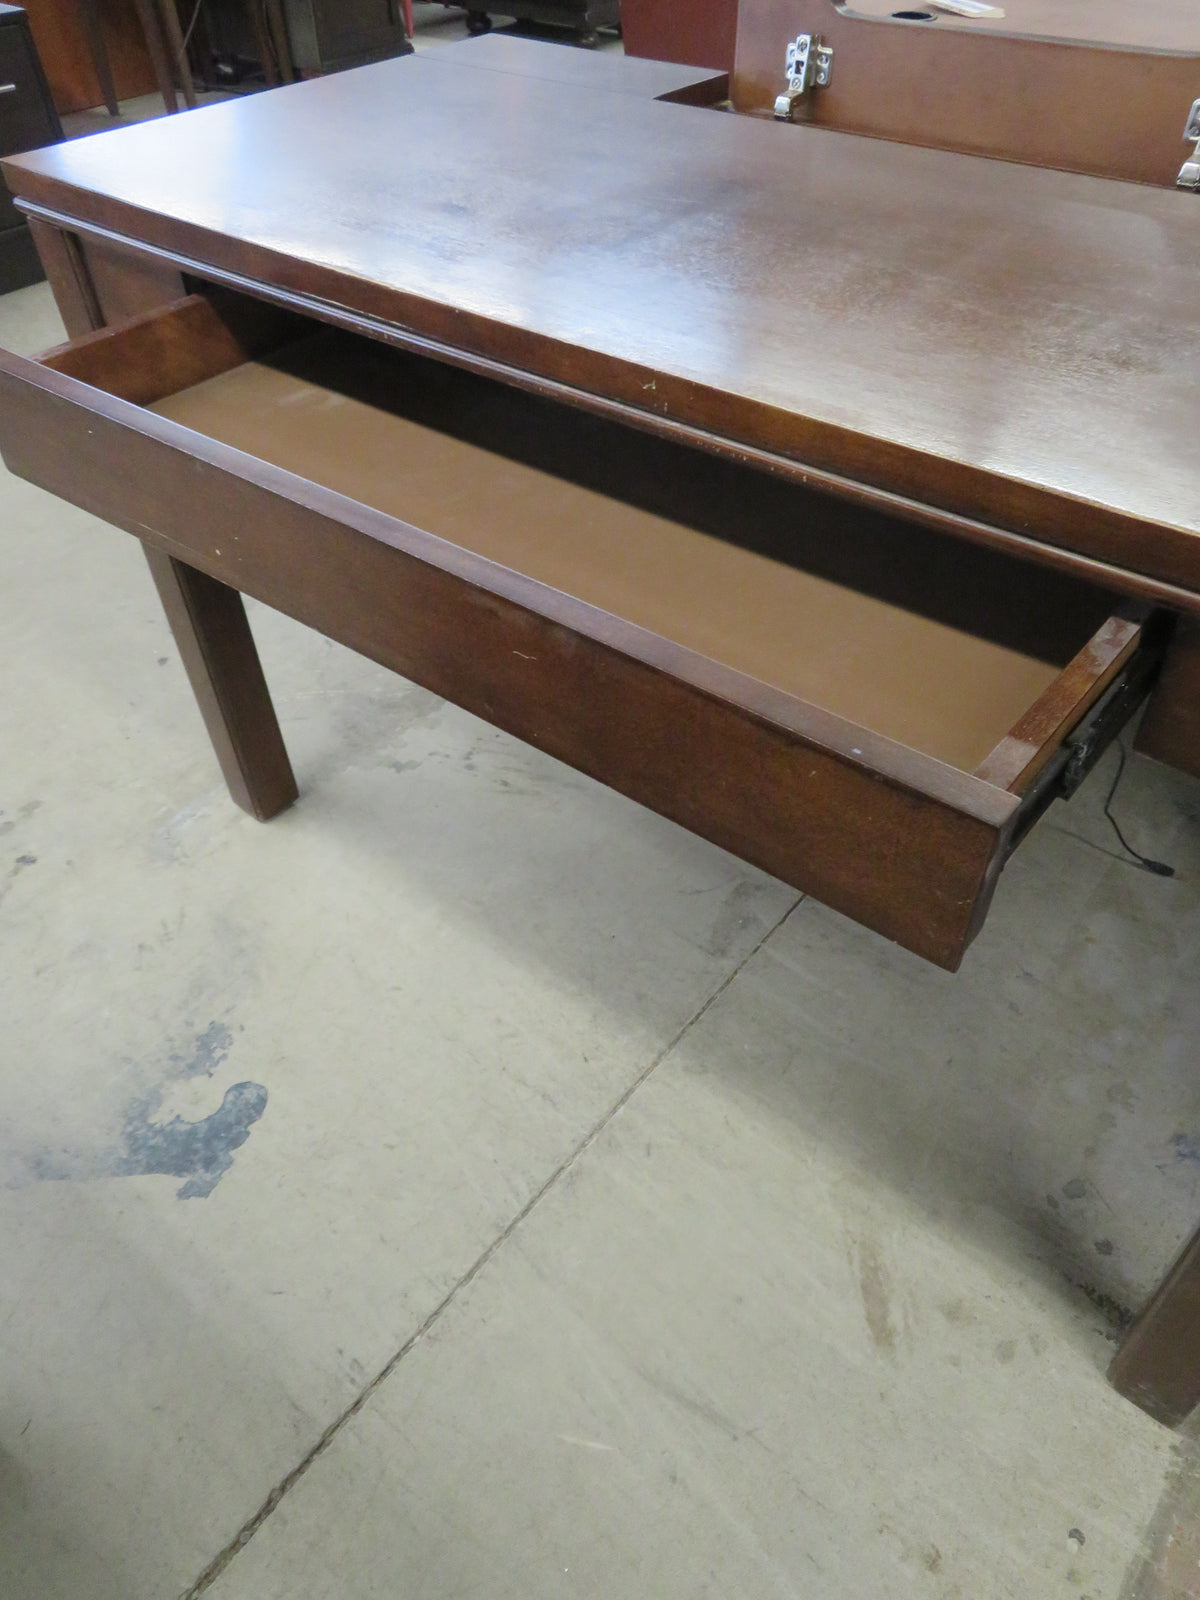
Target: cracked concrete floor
(473,1184)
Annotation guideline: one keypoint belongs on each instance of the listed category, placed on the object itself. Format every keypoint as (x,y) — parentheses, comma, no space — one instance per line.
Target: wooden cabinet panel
(701,35)
(27,121)
(66,60)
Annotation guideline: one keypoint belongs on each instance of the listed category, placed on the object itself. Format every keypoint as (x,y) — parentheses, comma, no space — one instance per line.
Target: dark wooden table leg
(177,51)
(209,622)
(1170,730)
(262,42)
(90,12)
(279,38)
(1158,1364)
(70,282)
(155,44)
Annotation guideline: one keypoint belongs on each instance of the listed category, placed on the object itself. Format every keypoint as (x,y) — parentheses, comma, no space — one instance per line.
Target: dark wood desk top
(581,69)
(1011,344)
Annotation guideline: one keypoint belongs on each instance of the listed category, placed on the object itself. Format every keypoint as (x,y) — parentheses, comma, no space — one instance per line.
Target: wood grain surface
(680,30)
(60,34)
(667,79)
(1003,342)
(1101,88)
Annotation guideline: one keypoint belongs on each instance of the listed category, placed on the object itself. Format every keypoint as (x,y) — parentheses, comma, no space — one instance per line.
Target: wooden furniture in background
(27,120)
(244,44)
(89,15)
(331,35)
(887,482)
(581,17)
(1104,89)
(692,31)
(61,32)
(168,51)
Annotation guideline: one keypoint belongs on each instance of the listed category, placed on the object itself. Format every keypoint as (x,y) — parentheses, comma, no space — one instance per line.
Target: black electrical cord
(1159,868)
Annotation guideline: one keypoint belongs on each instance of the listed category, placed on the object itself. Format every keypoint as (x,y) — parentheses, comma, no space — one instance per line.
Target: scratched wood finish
(1103,89)
(1002,342)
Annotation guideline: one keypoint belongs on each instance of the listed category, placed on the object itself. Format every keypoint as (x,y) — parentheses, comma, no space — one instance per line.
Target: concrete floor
(472,1184)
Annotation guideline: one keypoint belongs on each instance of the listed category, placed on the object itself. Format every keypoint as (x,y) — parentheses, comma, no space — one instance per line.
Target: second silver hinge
(809,66)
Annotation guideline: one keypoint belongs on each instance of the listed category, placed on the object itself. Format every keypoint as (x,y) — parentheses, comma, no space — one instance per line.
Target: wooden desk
(833,497)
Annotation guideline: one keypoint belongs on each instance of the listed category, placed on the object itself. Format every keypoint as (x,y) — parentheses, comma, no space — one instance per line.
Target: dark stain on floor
(200,1152)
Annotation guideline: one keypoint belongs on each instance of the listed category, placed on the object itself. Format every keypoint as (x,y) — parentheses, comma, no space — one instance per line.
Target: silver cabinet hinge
(809,66)
(1189,172)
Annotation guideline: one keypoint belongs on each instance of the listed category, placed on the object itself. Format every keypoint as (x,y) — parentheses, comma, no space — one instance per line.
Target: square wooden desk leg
(1170,729)
(209,622)
(1158,1364)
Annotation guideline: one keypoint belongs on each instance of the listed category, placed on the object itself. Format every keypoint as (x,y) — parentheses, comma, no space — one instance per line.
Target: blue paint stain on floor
(208,1053)
(200,1152)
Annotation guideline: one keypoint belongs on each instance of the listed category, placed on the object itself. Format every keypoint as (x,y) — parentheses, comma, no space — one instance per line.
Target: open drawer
(874,712)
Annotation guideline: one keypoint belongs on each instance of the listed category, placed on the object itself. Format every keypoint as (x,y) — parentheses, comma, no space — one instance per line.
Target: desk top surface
(1003,342)
(579,68)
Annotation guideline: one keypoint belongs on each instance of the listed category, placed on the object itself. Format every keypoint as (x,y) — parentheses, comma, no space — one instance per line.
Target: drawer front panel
(914,866)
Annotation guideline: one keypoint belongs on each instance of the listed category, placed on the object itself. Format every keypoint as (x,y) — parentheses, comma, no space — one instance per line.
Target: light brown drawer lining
(930,686)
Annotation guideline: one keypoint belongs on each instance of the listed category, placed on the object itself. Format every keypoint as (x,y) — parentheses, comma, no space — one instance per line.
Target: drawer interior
(939,647)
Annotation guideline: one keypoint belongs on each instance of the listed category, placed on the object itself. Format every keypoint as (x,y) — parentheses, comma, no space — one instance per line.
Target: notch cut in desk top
(1002,342)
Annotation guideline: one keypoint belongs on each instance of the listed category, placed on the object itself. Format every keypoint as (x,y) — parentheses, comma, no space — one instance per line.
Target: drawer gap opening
(897,629)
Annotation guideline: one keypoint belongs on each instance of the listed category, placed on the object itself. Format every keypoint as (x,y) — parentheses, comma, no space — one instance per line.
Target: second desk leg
(1158,1365)
(208,620)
